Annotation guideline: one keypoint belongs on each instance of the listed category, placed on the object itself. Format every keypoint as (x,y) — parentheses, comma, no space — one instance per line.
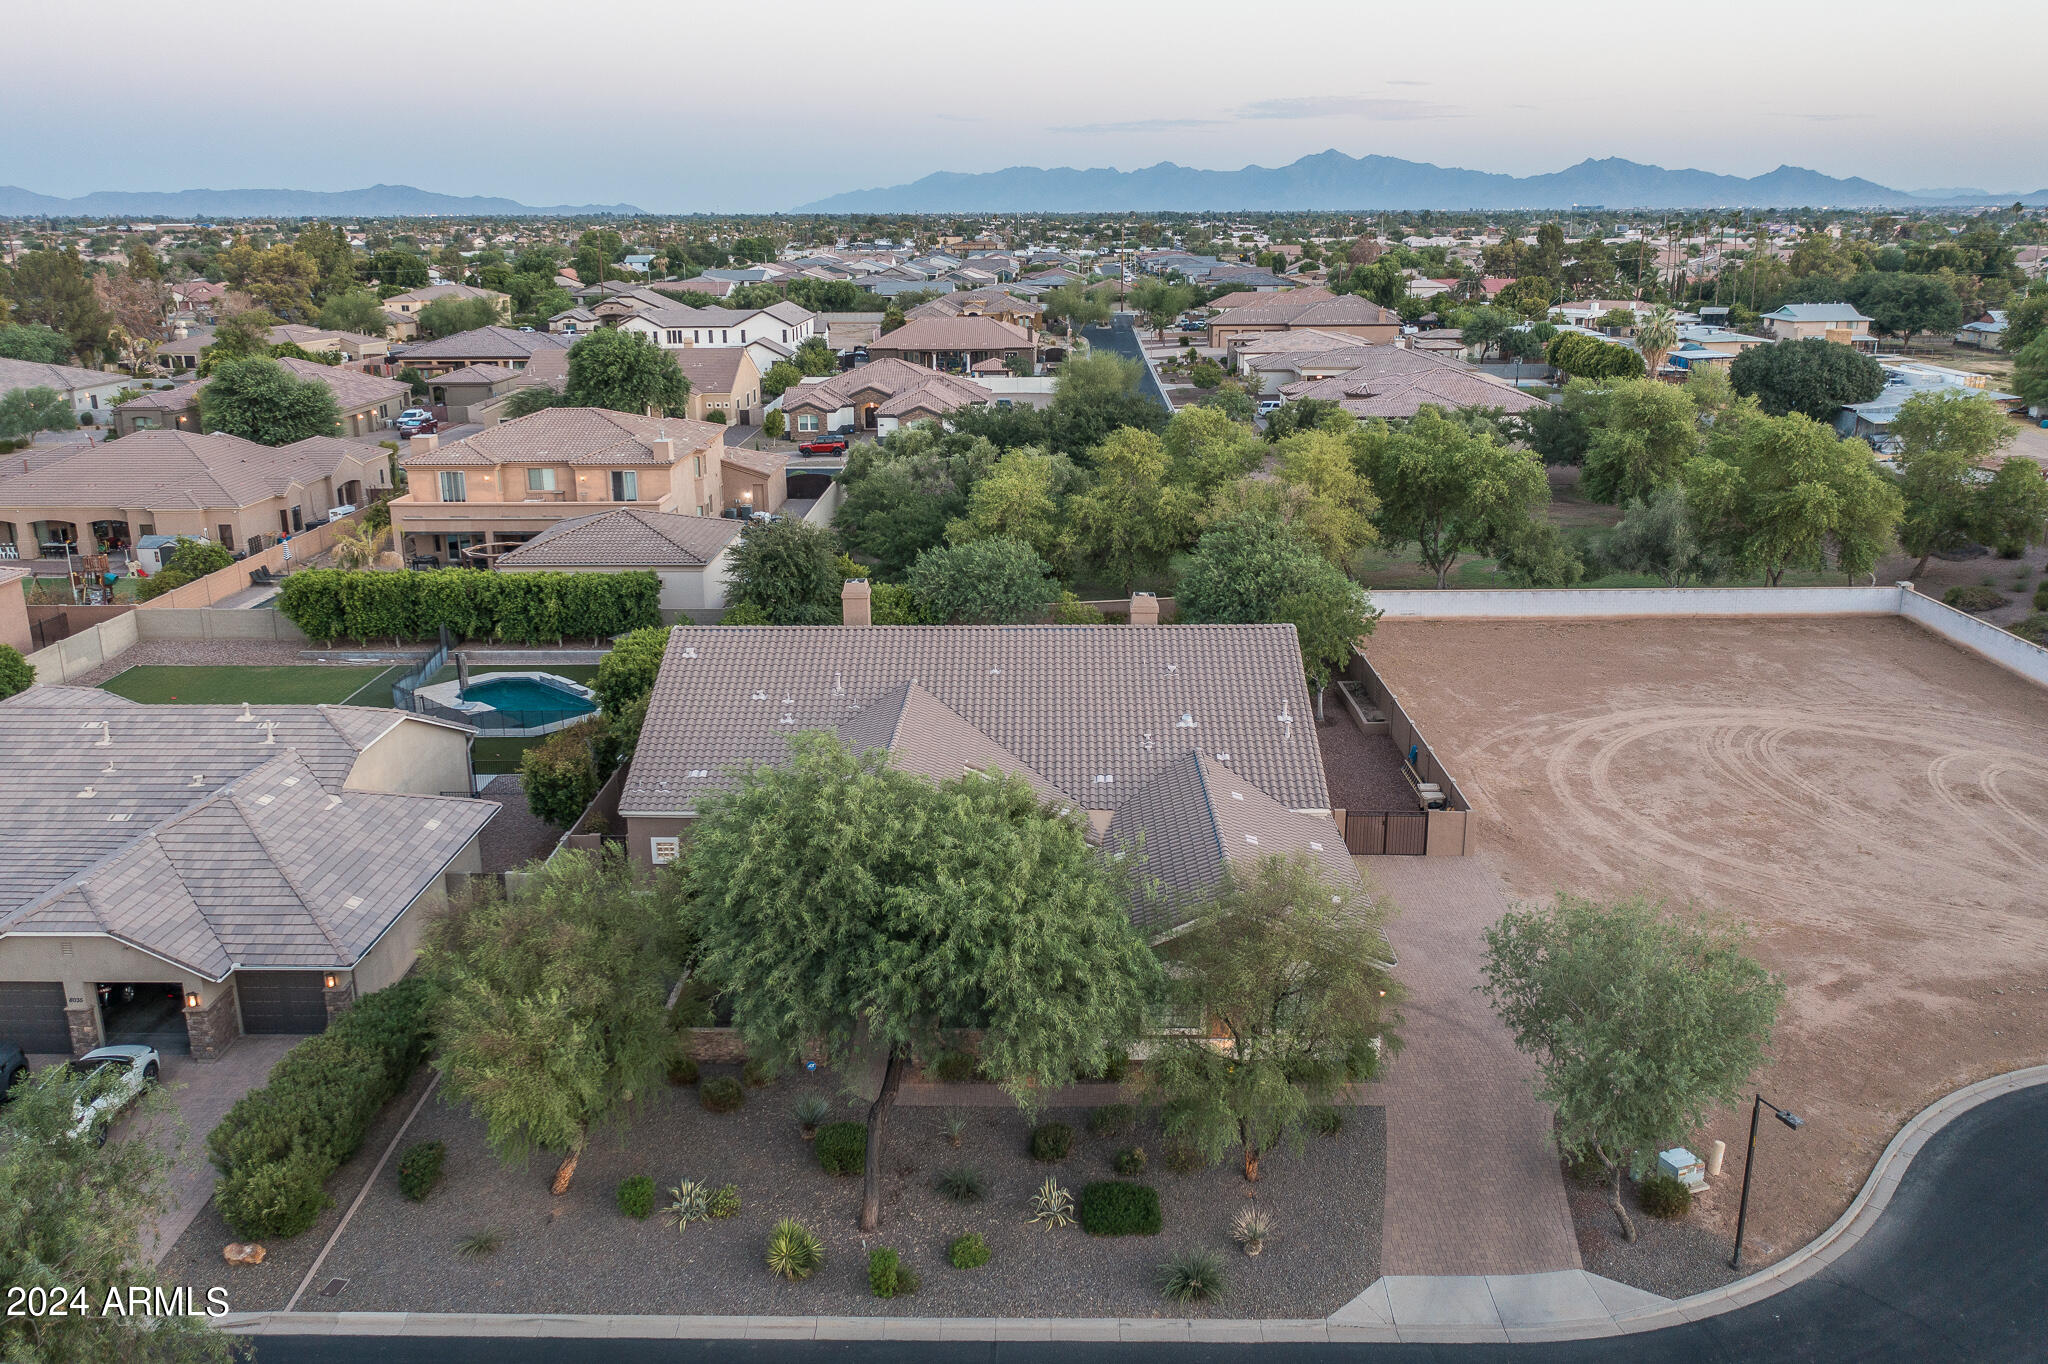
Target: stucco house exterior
(957,343)
(188,874)
(506,346)
(1838,322)
(722,379)
(366,402)
(215,487)
(474,498)
(878,396)
(90,392)
(1347,315)
(689,555)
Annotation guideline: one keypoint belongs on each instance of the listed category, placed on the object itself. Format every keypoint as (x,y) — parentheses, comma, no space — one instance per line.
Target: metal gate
(1391,833)
(32,1015)
(282,1001)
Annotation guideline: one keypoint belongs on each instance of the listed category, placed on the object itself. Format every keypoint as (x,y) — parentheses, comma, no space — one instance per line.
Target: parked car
(823,445)
(115,1077)
(1271,405)
(416,421)
(1193,324)
(846,430)
(13,1066)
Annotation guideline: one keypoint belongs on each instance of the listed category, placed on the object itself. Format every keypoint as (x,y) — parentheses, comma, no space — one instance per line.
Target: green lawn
(302,684)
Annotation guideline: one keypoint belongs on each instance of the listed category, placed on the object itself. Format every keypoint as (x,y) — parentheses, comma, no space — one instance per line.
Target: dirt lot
(1872,800)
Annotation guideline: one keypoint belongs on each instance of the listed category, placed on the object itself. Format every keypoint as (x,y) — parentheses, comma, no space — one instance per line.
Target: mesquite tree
(852,908)
(1640,1023)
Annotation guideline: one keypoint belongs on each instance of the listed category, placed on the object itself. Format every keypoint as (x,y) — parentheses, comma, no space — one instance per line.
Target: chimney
(855,603)
(1144,608)
(420,445)
(664,450)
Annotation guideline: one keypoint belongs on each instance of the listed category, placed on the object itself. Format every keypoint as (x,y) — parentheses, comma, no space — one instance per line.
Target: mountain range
(378,201)
(1333,181)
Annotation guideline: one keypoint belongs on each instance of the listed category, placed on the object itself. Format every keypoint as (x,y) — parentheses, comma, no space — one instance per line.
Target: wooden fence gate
(1394,833)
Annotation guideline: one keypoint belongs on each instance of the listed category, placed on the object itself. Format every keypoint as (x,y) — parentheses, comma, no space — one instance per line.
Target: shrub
(968,1252)
(757,1073)
(793,1251)
(1251,1228)
(2034,629)
(1192,1276)
(636,1197)
(419,1169)
(810,1111)
(559,775)
(843,1148)
(1183,1158)
(626,674)
(1129,1161)
(688,1202)
(954,1126)
(721,1094)
(2040,600)
(1975,598)
(1052,1206)
(1664,1195)
(1051,1142)
(1115,1207)
(522,608)
(1325,1120)
(478,1244)
(682,1067)
(166,580)
(15,674)
(1112,1120)
(276,1147)
(962,1185)
(955,1067)
(1071,610)
(888,1276)
(724,1202)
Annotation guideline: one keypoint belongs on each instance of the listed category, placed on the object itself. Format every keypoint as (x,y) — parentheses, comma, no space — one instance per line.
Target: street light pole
(1749,1166)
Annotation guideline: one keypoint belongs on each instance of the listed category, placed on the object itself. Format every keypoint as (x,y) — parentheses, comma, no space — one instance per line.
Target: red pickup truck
(823,445)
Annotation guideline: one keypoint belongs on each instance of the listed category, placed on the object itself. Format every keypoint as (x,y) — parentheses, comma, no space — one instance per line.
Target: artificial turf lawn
(301,684)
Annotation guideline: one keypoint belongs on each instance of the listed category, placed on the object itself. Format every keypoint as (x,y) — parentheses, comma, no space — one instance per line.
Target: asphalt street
(1121,338)
(1954,1270)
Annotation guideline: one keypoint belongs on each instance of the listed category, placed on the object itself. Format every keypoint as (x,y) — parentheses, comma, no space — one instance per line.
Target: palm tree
(1655,336)
(360,546)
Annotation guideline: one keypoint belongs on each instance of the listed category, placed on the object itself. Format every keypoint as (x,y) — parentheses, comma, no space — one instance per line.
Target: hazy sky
(680,106)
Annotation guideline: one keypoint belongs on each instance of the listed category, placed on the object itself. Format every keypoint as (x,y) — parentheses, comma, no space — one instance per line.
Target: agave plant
(955,1126)
(1052,1206)
(810,1111)
(794,1252)
(689,1202)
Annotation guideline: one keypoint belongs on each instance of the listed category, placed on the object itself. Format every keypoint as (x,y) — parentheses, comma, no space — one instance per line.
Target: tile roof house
(90,392)
(1198,737)
(690,555)
(365,402)
(506,346)
(956,343)
(1023,313)
(214,487)
(1246,298)
(767,334)
(1347,314)
(474,498)
(722,379)
(1838,322)
(878,396)
(264,863)
(1396,383)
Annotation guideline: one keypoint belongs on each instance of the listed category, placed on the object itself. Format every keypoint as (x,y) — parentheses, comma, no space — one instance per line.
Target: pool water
(525,696)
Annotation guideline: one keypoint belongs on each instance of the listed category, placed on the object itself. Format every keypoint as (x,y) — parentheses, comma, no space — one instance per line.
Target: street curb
(1370,1317)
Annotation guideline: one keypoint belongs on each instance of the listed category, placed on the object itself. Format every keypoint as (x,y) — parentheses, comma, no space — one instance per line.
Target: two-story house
(1838,322)
(471,499)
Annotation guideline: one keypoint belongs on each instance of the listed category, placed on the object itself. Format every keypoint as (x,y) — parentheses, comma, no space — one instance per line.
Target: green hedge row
(518,608)
(278,1144)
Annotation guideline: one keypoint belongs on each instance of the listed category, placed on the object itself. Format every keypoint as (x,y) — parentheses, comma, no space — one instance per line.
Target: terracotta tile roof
(476,374)
(767,463)
(626,537)
(212,840)
(353,390)
(176,470)
(64,378)
(1295,341)
(572,435)
(882,381)
(710,369)
(953,333)
(1247,298)
(1184,824)
(922,735)
(976,301)
(1098,711)
(1347,310)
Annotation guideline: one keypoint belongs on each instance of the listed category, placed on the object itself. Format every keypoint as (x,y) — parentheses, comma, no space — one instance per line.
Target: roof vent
(87,794)
(1186,721)
(246,714)
(291,781)
(696,772)
(1237,795)
(198,779)
(1314,846)
(433,824)
(995,672)
(1251,838)
(1172,668)
(1223,757)
(1284,717)
(270,731)
(263,800)
(760,696)
(787,719)
(689,651)
(352,902)
(1103,779)
(121,818)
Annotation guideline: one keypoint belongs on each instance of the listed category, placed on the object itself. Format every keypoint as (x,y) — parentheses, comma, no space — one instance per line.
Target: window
(675,336)
(625,485)
(700,465)
(540,480)
(453,488)
(806,421)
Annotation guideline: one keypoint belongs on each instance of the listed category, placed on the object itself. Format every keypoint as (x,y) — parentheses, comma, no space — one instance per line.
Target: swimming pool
(539,699)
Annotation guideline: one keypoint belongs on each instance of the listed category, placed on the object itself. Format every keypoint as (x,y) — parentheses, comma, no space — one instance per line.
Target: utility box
(1683,1166)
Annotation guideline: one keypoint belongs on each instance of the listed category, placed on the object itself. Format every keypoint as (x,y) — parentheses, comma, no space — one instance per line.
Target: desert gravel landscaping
(579,1253)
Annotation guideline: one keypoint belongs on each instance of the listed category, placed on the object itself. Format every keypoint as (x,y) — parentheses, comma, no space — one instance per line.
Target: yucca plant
(1052,1207)
(1192,1276)
(1250,1228)
(962,1185)
(794,1252)
(955,1126)
(689,1202)
(478,1244)
(810,1111)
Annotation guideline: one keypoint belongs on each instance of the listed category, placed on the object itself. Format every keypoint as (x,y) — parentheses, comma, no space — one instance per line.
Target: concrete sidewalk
(1473,1183)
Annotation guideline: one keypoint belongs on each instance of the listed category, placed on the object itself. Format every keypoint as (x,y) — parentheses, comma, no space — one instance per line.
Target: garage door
(32,1015)
(281,1001)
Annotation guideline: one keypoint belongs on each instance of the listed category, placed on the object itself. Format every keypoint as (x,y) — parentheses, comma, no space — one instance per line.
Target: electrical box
(1683,1166)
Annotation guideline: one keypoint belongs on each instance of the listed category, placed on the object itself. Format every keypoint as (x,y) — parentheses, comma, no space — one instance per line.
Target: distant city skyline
(526,101)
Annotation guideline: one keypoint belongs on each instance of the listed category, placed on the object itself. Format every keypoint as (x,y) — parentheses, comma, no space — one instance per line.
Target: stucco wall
(416,757)
(93,960)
